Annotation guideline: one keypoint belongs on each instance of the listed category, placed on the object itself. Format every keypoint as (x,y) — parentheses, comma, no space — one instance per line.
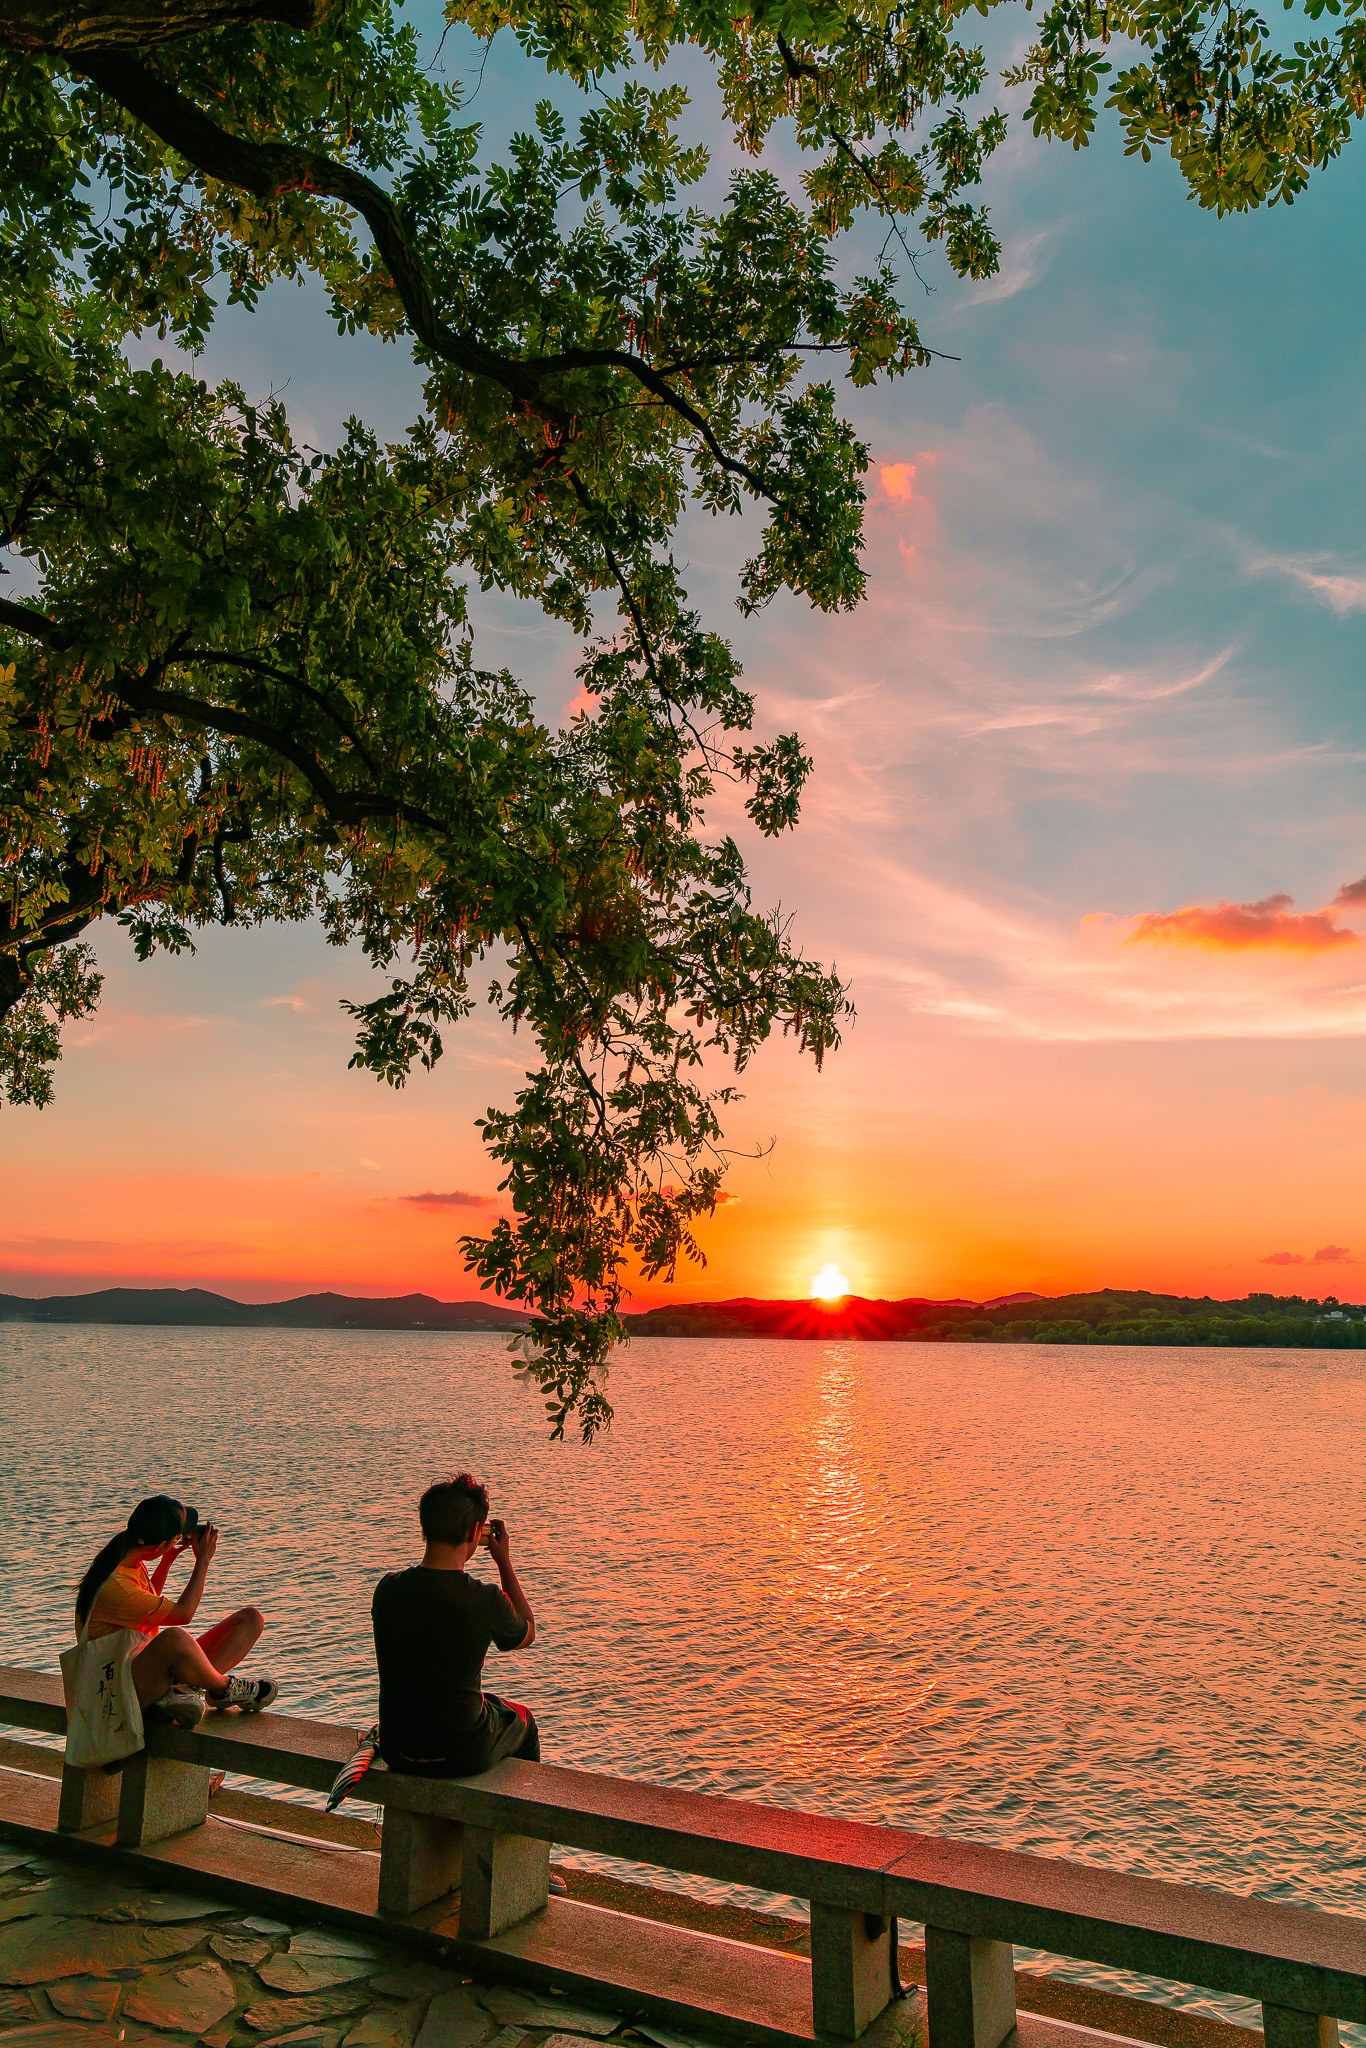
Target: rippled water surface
(1097,1604)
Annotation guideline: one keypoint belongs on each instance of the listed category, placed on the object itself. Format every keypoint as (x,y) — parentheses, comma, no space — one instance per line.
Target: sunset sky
(1086,833)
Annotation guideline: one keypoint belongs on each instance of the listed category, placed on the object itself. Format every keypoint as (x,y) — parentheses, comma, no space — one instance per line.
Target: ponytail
(156,1520)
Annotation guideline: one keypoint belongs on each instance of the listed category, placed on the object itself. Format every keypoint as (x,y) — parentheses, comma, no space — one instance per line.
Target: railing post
(851,1970)
(88,1799)
(969,1989)
(503,1878)
(1286,2028)
(160,1798)
(419,1858)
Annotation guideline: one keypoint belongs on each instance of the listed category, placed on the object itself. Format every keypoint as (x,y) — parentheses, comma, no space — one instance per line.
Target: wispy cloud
(1150,687)
(1326,1255)
(1342,590)
(1024,261)
(130,1250)
(988,709)
(456,1199)
(1237,927)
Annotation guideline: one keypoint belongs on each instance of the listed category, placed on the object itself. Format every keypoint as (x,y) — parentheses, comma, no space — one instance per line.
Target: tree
(244,687)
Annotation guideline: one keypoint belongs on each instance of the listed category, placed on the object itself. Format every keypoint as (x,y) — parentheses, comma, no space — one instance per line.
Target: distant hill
(196,1306)
(1112,1315)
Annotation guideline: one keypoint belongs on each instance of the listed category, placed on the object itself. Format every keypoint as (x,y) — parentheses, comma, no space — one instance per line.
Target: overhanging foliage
(245,687)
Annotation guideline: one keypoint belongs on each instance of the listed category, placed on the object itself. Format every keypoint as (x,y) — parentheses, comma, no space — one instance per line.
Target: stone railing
(488,1838)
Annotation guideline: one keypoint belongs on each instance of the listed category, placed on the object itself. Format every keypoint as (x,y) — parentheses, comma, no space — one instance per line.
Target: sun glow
(829,1284)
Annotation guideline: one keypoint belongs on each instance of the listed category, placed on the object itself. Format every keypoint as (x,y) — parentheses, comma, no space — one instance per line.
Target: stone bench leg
(89,1799)
(160,1798)
(419,1859)
(970,1989)
(503,1878)
(851,1970)
(1286,2028)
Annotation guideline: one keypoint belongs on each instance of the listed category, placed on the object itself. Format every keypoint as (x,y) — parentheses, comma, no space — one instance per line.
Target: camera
(490,1528)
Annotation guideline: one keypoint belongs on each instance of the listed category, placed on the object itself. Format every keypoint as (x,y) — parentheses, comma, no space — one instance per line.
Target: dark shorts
(509,1730)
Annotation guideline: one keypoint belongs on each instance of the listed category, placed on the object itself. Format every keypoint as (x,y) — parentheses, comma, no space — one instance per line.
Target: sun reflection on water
(1096,1607)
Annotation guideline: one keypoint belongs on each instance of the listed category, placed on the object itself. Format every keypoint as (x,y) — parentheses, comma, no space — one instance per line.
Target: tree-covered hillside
(1114,1315)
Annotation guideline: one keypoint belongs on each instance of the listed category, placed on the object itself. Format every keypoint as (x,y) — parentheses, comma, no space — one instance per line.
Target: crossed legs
(176,1658)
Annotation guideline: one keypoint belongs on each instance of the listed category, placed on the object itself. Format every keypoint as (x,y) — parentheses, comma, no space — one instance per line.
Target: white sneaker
(252,1695)
(181,1708)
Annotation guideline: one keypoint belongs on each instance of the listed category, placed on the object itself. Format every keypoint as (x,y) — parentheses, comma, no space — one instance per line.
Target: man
(433,1626)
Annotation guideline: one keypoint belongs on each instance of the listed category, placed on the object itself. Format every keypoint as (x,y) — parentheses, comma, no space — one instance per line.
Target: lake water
(1096,1604)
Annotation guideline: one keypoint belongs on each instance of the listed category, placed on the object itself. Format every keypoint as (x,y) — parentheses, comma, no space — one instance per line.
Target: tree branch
(269,169)
(39,25)
(212,657)
(21,618)
(341,808)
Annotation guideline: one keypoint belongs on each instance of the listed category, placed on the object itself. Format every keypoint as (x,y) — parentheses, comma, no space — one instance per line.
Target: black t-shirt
(432,1633)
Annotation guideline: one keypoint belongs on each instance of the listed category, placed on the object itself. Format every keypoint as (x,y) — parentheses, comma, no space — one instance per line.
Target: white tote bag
(103,1711)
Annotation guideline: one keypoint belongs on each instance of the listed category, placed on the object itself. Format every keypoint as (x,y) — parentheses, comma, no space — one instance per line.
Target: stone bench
(489,1836)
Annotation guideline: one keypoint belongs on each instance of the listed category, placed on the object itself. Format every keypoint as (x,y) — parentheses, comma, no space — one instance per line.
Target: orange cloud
(1238,927)
(1326,1255)
(1353,893)
(896,481)
(456,1199)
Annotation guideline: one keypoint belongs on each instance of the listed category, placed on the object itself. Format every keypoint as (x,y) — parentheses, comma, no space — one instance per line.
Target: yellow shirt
(126,1600)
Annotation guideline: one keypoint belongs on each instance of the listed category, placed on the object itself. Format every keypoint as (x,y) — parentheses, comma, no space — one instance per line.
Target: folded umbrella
(354,1769)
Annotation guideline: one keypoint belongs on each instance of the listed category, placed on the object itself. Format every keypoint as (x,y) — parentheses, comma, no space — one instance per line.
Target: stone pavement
(89,1961)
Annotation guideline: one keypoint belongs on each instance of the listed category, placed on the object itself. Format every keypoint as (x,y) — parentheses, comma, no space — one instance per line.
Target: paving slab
(326,1941)
(12,1859)
(669,2037)
(22,1906)
(507,2037)
(563,2041)
(260,1925)
(217,2037)
(247,1949)
(38,1951)
(390,2026)
(71,2034)
(79,1895)
(414,1980)
(278,2015)
(16,2009)
(455,2021)
(305,1972)
(164,1906)
(531,2009)
(184,2001)
(86,1998)
(306,2037)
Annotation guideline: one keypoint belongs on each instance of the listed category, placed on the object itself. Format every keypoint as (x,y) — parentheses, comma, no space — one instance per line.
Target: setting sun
(829,1284)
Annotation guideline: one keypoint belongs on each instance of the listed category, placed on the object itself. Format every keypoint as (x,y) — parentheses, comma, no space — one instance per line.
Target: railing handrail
(1290,1956)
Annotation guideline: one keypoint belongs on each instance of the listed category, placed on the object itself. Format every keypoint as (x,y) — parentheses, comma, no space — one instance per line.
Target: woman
(175,1669)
